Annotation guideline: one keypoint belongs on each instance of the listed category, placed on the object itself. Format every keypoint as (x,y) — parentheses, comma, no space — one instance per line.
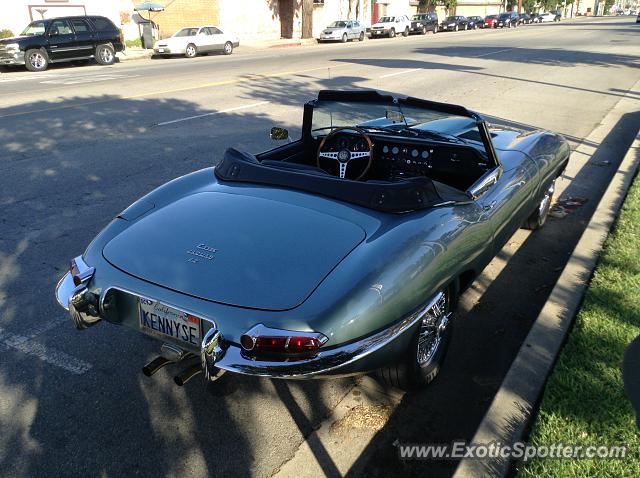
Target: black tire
(228,48)
(191,51)
(361,37)
(36,60)
(405,33)
(424,30)
(455,29)
(435,29)
(539,216)
(392,33)
(344,38)
(105,55)
(409,373)
(466,26)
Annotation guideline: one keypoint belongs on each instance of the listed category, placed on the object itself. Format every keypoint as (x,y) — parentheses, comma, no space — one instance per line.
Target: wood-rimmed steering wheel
(345,155)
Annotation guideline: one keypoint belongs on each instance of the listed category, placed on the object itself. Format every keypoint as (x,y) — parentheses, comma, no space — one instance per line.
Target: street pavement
(79,144)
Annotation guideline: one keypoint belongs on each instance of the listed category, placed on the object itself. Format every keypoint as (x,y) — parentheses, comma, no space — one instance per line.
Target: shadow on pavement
(490,330)
(68,168)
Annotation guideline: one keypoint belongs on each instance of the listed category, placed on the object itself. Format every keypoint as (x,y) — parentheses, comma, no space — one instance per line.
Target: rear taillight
(264,340)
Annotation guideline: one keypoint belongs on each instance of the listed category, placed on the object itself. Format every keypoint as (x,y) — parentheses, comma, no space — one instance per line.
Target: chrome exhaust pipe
(155,365)
(187,374)
(168,354)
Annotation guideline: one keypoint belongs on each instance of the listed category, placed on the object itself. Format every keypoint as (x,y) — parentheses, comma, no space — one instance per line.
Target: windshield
(36,28)
(187,32)
(505,15)
(395,119)
(386,19)
(450,19)
(337,25)
(419,17)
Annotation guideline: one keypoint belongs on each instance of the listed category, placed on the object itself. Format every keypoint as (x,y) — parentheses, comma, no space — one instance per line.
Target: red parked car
(491,21)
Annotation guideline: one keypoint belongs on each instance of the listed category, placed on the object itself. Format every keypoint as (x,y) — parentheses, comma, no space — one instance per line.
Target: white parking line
(85,79)
(213,113)
(389,75)
(24,78)
(493,52)
(26,344)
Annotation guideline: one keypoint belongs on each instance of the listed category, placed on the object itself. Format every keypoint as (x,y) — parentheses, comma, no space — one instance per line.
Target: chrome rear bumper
(216,353)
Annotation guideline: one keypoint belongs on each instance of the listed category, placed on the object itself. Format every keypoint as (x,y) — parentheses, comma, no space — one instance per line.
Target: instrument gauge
(414,153)
(425,154)
(395,150)
(385,149)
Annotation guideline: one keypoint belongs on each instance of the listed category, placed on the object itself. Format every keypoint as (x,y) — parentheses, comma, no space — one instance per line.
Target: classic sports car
(339,253)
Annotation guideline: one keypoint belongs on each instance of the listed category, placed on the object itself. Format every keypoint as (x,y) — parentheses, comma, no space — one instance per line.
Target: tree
(528,5)
(607,6)
(450,5)
(426,5)
(307,18)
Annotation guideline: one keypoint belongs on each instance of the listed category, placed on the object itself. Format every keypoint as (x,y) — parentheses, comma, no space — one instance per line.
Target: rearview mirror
(279,133)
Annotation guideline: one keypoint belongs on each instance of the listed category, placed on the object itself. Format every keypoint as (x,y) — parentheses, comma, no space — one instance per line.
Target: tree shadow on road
(69,167)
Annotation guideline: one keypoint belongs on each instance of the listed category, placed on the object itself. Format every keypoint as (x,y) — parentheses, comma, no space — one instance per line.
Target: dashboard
(399,158)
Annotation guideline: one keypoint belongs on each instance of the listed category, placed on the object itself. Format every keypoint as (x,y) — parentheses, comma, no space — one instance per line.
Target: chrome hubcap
(432,329)
(36,60)
(227,48)
(105,55)
(190,51)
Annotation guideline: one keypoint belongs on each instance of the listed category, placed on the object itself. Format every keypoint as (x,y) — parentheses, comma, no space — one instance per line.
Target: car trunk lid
(236,250)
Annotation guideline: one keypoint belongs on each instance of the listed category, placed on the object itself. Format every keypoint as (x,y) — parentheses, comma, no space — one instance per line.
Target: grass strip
(584,402)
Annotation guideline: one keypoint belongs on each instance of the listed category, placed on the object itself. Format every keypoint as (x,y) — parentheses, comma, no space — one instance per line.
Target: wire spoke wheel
(433,325)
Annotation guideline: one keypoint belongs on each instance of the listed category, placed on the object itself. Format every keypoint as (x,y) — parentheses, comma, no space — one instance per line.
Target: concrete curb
(513,406)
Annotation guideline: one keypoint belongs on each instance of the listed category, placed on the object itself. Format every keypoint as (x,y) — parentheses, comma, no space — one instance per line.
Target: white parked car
(191,41)
(342,30)
(391,26)
(547,17)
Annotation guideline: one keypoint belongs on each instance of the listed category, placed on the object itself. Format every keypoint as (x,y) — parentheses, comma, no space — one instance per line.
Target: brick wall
(184,13)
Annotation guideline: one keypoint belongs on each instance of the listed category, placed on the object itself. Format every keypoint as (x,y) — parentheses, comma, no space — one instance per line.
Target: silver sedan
(343,30)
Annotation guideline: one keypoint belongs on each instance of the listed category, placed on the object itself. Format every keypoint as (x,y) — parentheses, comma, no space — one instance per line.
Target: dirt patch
(363,417)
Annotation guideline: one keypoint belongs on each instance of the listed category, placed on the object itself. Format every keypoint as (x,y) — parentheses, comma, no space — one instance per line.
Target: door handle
(488,207)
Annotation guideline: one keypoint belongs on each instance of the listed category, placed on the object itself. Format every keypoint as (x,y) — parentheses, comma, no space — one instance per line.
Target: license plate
(164,322)
(377,33)
(160,50)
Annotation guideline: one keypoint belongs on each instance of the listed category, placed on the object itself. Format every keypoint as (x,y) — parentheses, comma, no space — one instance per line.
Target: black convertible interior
(382,164)
(397,175)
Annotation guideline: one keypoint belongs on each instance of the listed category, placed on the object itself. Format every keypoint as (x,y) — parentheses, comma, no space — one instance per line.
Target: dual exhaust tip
(211,352)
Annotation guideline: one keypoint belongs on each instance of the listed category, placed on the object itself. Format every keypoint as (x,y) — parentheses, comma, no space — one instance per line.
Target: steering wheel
(344,155)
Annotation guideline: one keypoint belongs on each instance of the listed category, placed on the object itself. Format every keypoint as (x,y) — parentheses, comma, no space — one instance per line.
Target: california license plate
(165,322)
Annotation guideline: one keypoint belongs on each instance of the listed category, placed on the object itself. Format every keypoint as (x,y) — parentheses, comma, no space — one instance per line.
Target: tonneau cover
(410,194)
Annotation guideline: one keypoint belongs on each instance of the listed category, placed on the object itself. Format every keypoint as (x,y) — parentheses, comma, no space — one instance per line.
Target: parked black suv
(424,22)
(63,39)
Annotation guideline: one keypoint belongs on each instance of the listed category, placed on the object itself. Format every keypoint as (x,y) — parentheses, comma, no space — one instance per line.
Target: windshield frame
(374,97)
(45,23)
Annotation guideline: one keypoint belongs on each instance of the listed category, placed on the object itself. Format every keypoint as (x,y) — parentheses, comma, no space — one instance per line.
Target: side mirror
(279,133)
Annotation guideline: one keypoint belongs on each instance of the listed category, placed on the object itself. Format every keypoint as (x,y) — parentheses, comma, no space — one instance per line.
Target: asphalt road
(79,144)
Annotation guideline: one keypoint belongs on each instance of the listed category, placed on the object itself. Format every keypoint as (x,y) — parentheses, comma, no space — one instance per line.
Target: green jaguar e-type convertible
(339,253)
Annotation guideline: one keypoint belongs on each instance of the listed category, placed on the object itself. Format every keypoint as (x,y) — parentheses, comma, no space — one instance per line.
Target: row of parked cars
(422,23)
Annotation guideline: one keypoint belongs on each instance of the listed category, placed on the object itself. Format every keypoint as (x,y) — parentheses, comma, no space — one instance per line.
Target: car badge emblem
(201,252)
